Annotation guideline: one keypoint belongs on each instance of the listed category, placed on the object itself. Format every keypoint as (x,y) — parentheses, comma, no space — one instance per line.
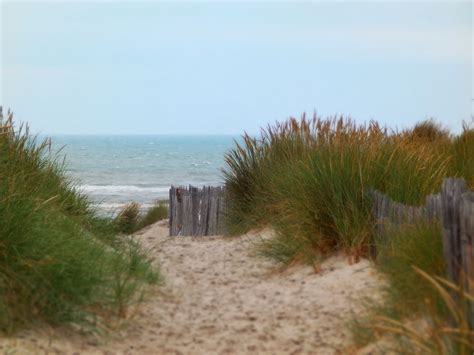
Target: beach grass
(310,179)
(59,261)
(154,214)
(127,219)
(130,220)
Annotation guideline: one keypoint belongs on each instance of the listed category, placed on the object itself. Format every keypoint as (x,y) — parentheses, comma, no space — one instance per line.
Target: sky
(224,68)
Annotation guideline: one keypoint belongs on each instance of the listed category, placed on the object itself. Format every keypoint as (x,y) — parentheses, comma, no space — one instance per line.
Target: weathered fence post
(450,201)
(187,217)
(212,229)
(176,210)
(221,213)
(466,215)
(204,218)
(433,208)
(195,202)
(170,210)
(173,209)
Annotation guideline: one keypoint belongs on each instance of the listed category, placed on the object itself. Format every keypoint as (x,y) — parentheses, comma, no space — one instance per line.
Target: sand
(219,299)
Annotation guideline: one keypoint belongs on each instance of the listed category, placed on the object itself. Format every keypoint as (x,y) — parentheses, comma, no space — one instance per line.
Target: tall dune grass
(59,262)
(310,179)
(130,220)
(462,155)
(157,212)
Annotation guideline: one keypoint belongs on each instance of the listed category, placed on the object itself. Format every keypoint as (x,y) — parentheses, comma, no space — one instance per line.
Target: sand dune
(218,299)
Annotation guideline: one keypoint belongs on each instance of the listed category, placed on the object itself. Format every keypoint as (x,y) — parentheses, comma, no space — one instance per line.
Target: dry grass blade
(447,298)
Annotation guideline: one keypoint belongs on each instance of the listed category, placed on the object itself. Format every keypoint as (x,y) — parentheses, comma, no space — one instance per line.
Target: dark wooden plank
(204,217)
(200,202)
(450,200)
(172,213)
(221,213)
(212,222)
(433,207)
(174,230)
(467,248)
(195,210)
(179,210)
(187,229)
(184,216)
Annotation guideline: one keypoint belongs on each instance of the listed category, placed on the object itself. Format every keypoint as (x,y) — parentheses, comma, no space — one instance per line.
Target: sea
(116,170)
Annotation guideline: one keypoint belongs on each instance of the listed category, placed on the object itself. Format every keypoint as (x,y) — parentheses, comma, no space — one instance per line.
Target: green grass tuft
(154,214)
(129,220)
(59,261)
(310,179)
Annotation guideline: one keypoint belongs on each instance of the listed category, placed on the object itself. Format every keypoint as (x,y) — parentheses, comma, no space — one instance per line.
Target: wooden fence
(196,211)
(453,208)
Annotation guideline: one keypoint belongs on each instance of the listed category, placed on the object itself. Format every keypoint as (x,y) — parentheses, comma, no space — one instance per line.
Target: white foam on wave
(112,209)
(118,205)
(113,189)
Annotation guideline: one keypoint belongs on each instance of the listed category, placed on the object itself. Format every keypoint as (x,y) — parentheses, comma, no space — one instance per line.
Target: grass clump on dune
(462,155)
(126,220)
(311,180)
(130,220)
(154,214)
(59,262)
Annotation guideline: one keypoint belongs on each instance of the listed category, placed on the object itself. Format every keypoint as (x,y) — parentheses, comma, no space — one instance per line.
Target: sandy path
(220,300)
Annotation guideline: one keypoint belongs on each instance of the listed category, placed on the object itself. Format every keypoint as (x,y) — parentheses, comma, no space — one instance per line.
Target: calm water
(114,170)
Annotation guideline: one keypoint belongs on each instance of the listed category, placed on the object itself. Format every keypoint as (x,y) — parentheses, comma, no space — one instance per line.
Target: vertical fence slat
(179,210)
(204,211)
(221,213)
(187,213)
(450,200)
(467,247)
(433,207)
(170,211)
(212,212)
(195,210)
(176,210)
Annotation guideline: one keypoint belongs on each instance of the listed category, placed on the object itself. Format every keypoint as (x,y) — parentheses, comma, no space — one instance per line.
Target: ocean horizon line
(140,135)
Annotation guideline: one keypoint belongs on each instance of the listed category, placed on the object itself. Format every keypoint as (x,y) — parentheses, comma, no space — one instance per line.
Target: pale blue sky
(212,68)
